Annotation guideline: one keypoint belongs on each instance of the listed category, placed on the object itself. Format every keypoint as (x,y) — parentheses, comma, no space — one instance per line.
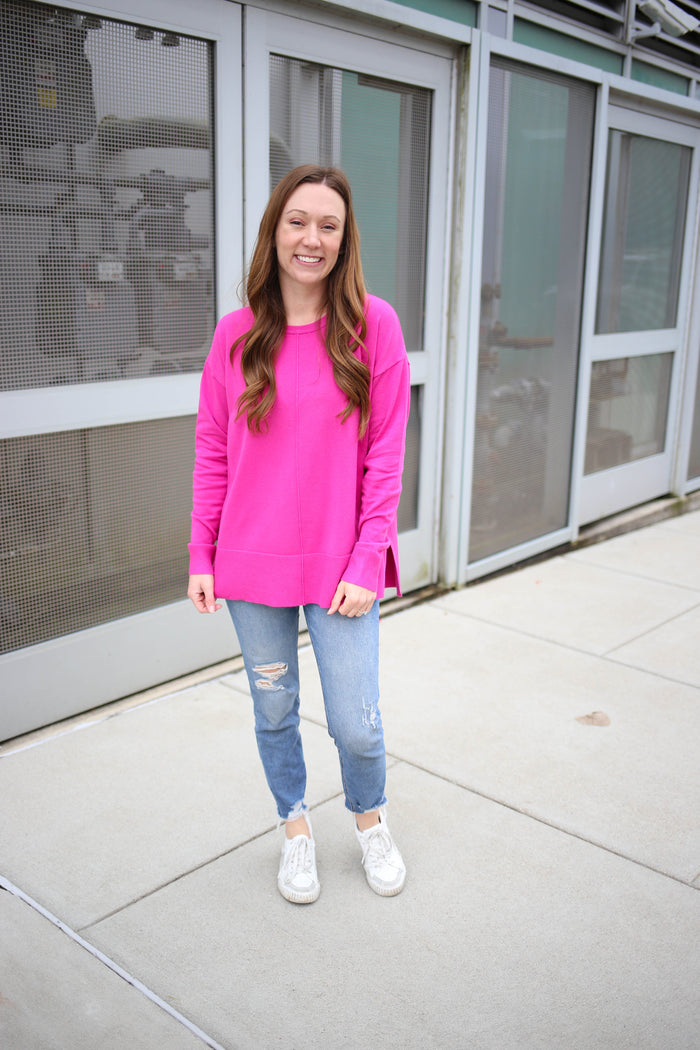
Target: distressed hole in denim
(269,675)
(370,714)
(297,810)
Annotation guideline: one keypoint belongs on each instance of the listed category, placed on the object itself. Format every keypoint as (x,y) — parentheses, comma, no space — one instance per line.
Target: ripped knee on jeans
(269,675)
(371,718)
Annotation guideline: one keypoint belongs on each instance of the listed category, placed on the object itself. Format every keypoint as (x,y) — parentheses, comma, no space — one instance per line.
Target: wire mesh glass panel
(539,148)
(94,526)
(627,410)
(643,227)
(378,132)
(106,202)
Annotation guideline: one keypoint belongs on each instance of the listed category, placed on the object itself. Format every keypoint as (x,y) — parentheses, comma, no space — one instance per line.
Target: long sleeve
(383,464)
(210,477)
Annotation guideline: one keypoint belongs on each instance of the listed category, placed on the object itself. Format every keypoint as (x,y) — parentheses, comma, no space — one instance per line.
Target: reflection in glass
(106,205)
(643,227)
(537,175)
(627,411)
(378,132)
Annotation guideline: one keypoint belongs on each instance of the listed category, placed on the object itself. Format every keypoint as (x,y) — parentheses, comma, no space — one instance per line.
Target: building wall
(516,176)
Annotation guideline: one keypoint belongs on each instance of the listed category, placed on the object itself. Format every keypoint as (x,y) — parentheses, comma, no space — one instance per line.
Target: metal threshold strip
(5,884)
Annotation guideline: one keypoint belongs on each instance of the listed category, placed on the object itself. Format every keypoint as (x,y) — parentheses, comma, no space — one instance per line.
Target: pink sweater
(282,516)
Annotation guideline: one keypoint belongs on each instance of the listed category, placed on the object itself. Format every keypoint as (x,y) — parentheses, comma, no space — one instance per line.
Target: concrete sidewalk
(544,734)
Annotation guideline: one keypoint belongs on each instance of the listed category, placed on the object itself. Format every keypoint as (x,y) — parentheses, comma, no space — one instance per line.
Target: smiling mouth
(308,258)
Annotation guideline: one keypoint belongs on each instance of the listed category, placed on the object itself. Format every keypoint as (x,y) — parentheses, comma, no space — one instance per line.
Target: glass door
(109,149)
(636,359)
(380,112)
(538,156)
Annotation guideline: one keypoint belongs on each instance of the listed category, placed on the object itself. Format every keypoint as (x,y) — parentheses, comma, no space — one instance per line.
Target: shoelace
(299,858)
(379,845)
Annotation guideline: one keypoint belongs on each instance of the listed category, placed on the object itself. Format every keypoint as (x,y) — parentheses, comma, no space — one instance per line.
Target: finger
(198,602)
(201,593)
(337,599)
(210,603)
(351,605)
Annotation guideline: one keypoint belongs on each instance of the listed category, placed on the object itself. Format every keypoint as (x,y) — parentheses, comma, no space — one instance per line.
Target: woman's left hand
(351,600)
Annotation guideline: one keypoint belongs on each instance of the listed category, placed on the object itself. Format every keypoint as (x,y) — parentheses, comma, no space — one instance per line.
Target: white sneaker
(383,864)
(297,880)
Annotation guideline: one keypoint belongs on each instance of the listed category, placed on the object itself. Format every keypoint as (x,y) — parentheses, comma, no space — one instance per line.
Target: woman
(299,451)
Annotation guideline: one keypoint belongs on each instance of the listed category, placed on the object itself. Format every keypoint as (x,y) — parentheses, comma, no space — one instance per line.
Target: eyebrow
(300,211)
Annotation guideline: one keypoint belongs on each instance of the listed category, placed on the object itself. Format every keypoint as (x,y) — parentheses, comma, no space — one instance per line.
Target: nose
(311,235)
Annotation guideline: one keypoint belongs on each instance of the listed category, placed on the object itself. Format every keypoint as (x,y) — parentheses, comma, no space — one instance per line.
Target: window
(95,526)
(106,204)
(627,410)
(538,160)
(106,264)
(643,228)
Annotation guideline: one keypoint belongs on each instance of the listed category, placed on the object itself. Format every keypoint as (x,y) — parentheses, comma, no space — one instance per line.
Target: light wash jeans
(347,654)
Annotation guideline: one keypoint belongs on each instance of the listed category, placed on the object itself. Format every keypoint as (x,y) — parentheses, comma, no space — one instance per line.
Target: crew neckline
(311,327)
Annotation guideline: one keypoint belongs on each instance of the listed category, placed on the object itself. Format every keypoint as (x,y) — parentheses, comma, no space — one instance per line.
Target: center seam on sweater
(297,459)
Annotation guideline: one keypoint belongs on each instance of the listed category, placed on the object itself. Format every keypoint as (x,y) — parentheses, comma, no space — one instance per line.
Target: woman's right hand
(201,594)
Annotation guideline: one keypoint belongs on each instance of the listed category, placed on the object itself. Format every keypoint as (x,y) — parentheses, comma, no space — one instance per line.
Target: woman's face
(309,236)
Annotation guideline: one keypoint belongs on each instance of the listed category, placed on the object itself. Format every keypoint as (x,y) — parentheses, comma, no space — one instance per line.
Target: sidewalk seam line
(575,649)
(110,964)
(654,674)
(634,574)
(650,630)
(197,867)
(547,823)
(526,634)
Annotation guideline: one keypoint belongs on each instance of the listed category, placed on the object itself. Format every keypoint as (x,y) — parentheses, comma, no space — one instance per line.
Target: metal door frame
(609,491)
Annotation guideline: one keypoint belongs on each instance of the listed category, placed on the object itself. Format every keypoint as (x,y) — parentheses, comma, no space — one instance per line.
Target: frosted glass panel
(643,228)
(627,411)
(537,175)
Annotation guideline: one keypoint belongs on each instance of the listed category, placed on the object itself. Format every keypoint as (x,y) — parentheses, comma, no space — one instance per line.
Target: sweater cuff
(365,567)
(201,559)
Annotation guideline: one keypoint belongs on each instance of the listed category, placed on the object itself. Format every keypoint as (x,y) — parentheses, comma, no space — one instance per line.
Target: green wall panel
(660,78)
(458,10)
(566,46)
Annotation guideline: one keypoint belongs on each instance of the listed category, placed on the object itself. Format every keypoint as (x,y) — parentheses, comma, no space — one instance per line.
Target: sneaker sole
(386,891)
(295,897)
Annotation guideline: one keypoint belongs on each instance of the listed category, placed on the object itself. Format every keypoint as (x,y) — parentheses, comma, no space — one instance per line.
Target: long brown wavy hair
(346,327)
